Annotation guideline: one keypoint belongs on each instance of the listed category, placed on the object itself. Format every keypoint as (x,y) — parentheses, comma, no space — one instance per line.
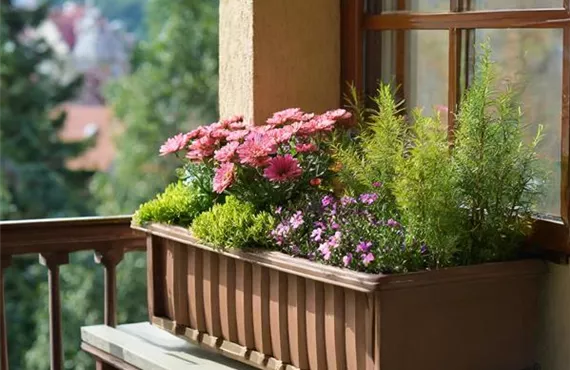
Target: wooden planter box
(275,311)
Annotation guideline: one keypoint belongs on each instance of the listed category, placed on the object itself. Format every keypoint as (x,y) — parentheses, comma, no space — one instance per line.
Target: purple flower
(368,198)
(278,210)
(347,200)
(295,249)
(363,247)
(334,240)
(377,184)
(423,249)
(281,230)
(392,223)
(325,251)
(367,258)
(346,260)
(296,220)
(335,226)
(320,224)
(327,200)
(316,234)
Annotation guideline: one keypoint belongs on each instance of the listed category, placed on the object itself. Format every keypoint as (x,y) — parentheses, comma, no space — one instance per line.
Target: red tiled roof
(82,119)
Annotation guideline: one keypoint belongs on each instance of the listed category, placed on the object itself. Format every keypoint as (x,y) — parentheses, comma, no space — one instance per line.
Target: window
(429,49)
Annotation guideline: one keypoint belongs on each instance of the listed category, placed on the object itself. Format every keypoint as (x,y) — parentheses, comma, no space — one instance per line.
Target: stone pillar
(277,54)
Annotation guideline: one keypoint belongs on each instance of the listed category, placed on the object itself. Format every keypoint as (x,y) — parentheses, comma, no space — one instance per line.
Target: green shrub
(372,155)
(178,205)
(500,178)
(426,191)
(234,224)
(470,203)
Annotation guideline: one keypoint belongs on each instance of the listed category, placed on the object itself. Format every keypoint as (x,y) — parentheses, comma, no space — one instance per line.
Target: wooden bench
(145,347)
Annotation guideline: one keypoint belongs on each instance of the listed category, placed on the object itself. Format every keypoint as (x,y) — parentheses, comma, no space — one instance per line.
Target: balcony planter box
(275,311)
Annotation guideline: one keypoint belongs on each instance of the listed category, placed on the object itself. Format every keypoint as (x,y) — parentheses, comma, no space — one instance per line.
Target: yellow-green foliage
(500,176)
(178,205)
(234,224)
(426,190)
(373,155)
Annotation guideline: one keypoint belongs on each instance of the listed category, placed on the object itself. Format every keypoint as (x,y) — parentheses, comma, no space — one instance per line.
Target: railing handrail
(68,235)
(54,240)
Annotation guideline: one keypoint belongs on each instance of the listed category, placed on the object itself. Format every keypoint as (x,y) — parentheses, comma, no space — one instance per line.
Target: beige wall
(277,54)
(554,343)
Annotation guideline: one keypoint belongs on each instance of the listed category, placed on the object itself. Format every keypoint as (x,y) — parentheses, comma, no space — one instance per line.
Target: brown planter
(275,311)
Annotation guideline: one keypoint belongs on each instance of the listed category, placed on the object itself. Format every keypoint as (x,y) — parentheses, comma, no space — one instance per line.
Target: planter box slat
(278,315)
(195,289)
(275,311)
(210,290)
(297,322)
(315,314)
(228,299)
(244,304)
(260,299)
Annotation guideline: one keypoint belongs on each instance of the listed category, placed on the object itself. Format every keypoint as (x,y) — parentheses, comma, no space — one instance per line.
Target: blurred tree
(35,179)
(173,87)
(129,12)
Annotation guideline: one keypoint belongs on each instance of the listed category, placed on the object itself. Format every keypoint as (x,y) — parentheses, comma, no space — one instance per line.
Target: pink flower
(256,149)
(174,144)
(283,168)
(324,123)
(237,135)
(280,135)
(227,152)
(308,128)
(346,260)
(291,114)
(220,133)
(224,177)
(306,147)
(197,133)
(338,114)
(367,258)
(234,121)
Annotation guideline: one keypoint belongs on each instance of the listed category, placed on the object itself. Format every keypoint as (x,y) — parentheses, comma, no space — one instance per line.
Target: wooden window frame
(552,235)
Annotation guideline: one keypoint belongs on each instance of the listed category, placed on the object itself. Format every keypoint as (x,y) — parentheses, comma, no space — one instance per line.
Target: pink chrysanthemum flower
(220,133)
(283,168)
(227,152)
(305,147)
(280,135)
(317,124)
(174,144)
(236,121)
(202,148)
(224,177)
(338,114)
(197,133)
(256,149)
(291,114)
(237,135)
(324,123)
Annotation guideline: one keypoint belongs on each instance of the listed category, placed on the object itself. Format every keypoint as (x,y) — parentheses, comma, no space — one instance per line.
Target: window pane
(427,6)
(514,4)
(424,67)
(427,71)
(531,60)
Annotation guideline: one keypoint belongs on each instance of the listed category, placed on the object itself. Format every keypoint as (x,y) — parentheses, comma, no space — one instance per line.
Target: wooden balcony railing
(53,240)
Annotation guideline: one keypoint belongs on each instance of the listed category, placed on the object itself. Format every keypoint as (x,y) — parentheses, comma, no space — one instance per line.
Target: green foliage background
(173,88)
